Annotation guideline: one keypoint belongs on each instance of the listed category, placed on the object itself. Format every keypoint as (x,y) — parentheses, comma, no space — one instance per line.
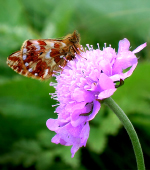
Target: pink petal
(123,61)
(105,82)
(85,133)
(117,77)
(139,48)
(123,45)
(81,95)
(75,106)
(96,107)
(75,148)
(52,124)
(56,139)
(107,93)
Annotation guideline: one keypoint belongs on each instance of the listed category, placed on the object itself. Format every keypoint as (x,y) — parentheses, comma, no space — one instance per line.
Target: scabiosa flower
(83,83)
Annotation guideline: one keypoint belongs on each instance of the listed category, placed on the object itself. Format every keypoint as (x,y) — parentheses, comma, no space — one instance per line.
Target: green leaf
(65,155)
(59,19)
(97,140)
(45,159)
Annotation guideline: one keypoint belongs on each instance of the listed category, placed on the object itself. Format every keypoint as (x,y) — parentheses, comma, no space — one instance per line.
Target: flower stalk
(130,130)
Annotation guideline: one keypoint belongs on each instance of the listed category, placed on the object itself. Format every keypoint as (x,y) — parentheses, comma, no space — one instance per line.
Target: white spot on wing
(46,72)
(26,64)
(34,42)
(24,56)
(47,56)
(51,44)
(37,47)
(36,74)
(63,44)
(24,50)
(62,56)
(30,70)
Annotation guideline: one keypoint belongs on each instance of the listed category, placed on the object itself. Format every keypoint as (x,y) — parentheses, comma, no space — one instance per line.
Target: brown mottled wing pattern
(38,58)
(41,58)
(16,63)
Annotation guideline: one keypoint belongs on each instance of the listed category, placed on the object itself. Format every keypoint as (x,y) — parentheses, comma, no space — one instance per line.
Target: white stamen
(91,47)
(36,74)
(88,46)
(104,45)
(98,46)
(56,105)
(52,84)
(82,48)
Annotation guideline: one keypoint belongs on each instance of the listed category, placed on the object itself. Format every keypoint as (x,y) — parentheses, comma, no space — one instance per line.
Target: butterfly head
(73,38)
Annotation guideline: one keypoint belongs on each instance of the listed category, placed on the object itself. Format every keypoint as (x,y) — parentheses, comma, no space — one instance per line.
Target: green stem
(131,131)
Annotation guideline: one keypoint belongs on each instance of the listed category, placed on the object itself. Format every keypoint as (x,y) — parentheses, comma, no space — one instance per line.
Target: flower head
(85,81)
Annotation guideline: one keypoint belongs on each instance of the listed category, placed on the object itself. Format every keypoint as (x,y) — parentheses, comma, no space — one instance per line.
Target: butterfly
(41,58)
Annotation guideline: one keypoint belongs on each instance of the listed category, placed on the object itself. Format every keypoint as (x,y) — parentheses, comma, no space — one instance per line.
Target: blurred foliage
(25,141)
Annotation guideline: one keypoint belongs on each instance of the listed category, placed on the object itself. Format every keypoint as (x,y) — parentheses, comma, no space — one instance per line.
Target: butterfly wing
(15,62)
(39,59)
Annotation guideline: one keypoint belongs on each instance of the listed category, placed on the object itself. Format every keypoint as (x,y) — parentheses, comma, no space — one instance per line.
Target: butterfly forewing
(41,58)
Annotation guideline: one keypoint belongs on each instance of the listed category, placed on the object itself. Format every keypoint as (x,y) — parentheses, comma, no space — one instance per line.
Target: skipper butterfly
(41,58)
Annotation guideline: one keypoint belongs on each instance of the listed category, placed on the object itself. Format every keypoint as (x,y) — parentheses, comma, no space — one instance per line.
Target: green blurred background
(25,104)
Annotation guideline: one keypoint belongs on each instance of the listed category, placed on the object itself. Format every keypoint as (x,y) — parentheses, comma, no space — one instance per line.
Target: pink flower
(83,83)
